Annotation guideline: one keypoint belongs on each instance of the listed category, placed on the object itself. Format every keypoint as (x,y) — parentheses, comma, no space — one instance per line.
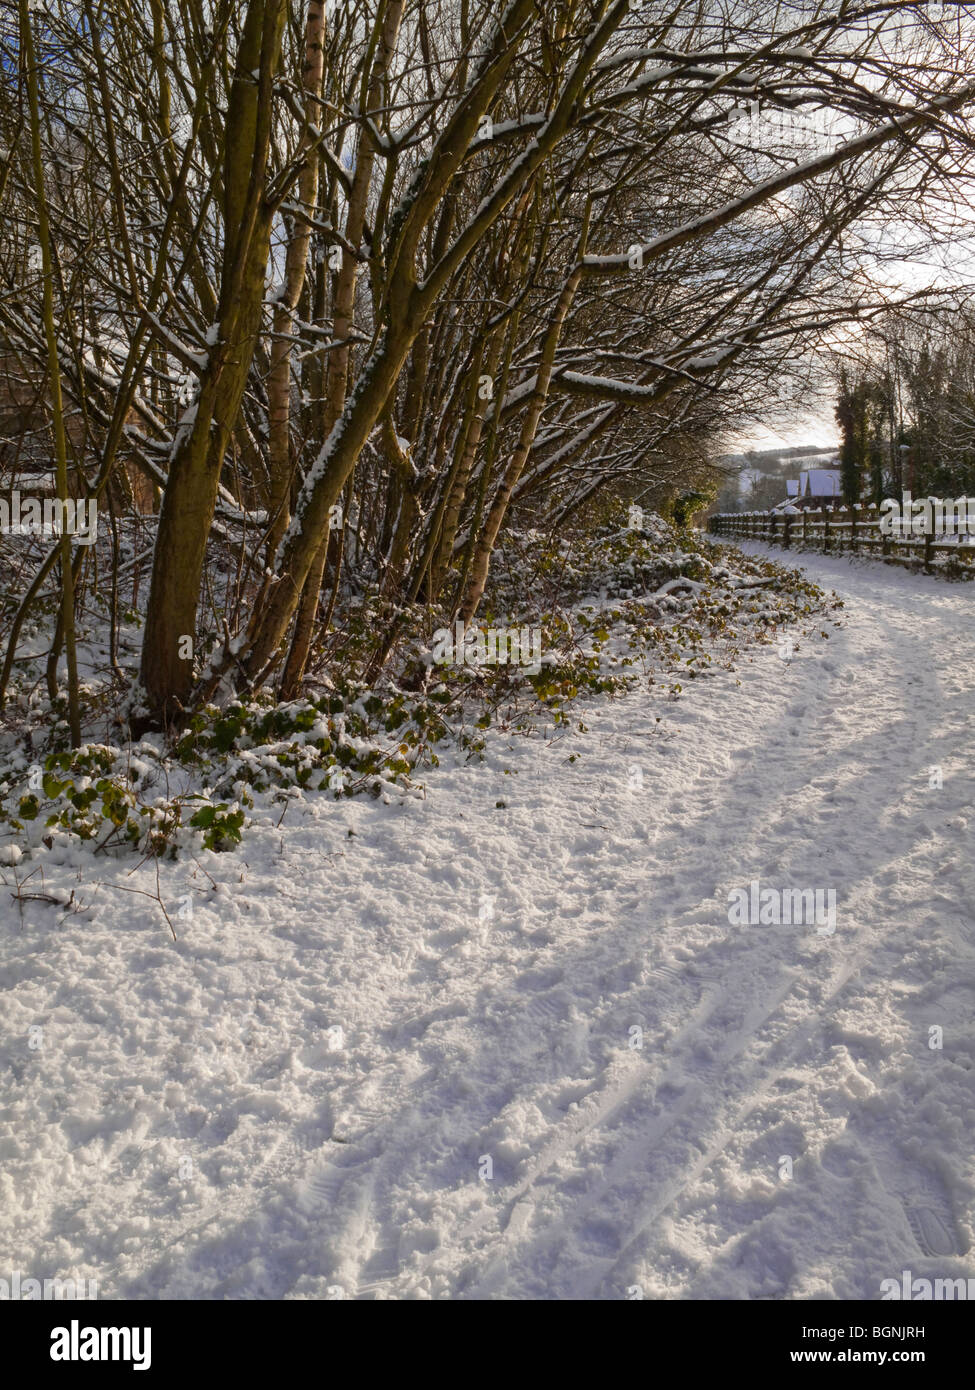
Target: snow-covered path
(302,1096)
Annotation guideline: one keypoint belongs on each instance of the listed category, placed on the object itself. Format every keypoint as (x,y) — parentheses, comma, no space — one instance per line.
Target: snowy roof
(792,487)
(820,482)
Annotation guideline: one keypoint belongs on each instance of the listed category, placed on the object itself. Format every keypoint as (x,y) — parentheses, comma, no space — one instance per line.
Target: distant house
(815,487)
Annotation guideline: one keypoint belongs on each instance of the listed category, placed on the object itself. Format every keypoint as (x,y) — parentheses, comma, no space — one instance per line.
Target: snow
(366,1001)
(502,129)
(605,386)
(637,55)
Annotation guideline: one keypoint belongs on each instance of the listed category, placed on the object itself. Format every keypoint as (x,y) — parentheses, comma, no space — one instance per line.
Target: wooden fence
(841,530)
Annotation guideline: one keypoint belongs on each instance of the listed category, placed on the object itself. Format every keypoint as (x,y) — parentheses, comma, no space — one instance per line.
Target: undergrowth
(615,609)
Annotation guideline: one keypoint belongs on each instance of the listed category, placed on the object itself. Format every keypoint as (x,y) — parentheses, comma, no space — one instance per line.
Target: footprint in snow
(935,1233)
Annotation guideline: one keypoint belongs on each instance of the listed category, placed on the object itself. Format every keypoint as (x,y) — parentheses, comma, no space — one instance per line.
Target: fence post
(786,531)
(826,536)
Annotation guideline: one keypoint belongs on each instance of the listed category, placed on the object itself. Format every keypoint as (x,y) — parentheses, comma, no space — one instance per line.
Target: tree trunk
(338,364)
(198,451)
(279,380)
(539,397)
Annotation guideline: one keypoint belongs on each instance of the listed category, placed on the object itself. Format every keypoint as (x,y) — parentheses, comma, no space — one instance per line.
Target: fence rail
(842,530)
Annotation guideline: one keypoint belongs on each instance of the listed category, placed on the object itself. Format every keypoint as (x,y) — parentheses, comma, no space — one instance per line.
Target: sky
(789,432)
(946,261)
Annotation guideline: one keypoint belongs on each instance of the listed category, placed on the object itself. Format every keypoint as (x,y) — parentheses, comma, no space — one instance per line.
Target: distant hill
(773,461)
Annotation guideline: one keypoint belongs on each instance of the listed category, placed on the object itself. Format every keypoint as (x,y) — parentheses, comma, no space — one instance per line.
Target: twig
(155,897)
